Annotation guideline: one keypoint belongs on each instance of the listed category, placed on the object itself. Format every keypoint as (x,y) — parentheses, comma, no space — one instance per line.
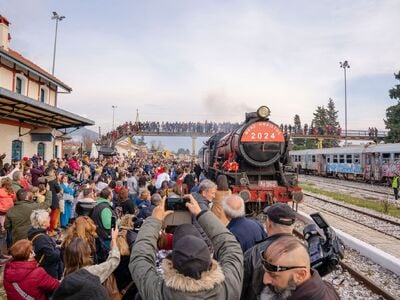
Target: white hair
(206,184)
(230,212)
(38,217)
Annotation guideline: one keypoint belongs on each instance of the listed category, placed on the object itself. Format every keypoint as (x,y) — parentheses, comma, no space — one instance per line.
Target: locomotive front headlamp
(263,112)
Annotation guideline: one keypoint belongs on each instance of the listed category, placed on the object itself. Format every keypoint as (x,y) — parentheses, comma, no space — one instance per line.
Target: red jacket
(31,279)
(6,200)
(73,164)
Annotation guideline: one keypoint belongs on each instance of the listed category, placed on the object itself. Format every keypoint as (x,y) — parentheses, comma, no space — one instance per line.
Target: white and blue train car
(329,161)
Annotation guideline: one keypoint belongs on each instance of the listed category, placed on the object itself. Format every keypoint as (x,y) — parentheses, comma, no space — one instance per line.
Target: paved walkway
(379,240)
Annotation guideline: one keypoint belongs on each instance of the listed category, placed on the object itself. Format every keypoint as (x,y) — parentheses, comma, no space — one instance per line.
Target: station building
(30,121)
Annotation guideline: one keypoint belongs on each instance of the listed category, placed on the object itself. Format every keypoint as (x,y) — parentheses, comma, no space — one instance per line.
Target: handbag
(68,197)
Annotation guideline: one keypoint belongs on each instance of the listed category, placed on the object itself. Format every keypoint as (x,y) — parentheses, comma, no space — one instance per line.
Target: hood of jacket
(34,231)
(81,285)
(177,281)
(17,271)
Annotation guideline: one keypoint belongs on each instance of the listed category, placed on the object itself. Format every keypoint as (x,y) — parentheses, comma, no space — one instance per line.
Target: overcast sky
(214,60)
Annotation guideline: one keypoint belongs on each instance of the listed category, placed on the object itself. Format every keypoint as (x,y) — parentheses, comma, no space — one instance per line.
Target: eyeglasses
(273,268)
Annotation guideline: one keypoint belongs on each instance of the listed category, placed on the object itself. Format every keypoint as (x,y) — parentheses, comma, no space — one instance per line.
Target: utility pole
(345,65)
(57,18)
(113,107)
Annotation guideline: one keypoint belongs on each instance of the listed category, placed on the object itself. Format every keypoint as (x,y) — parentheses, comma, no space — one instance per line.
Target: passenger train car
(253,157)
(372,163)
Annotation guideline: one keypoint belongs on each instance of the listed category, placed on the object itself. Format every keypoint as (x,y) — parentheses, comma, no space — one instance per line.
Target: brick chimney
(5,36)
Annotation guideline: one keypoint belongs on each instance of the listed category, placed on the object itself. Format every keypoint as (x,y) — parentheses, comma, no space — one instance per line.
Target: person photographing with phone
(189,271)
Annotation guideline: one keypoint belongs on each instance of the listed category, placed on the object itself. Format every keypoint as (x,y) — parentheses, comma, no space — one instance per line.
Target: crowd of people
(79,228)
(129,128)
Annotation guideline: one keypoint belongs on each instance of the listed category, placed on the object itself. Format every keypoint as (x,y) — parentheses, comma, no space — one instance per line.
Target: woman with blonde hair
(84,228)
(82,274)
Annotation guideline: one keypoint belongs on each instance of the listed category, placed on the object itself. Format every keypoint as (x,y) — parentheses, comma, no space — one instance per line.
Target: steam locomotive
(253,157)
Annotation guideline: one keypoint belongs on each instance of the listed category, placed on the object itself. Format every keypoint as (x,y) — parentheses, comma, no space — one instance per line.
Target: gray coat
(222,281)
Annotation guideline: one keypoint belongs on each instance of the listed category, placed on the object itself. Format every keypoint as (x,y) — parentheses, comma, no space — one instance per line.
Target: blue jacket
(248,232)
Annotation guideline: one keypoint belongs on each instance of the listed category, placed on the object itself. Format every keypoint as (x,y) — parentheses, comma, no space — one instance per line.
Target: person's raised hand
(192,205)
(159,212)
(114,233)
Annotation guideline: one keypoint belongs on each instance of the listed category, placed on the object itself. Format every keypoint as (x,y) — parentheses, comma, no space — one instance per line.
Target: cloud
(216,60)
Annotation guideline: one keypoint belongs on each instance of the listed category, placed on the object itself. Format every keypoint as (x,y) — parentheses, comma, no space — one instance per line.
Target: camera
(176,204)
(325,252)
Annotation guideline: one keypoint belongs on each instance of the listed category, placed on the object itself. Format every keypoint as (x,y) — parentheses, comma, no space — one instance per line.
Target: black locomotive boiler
(253,157)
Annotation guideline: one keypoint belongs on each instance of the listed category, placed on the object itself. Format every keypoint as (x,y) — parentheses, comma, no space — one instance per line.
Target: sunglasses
(273,268)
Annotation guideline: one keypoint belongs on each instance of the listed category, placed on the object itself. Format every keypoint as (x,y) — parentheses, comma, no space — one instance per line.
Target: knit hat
(280,213)
(190,255)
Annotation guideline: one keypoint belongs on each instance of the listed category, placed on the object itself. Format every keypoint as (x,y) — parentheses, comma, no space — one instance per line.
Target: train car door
(321,161)
(375,166)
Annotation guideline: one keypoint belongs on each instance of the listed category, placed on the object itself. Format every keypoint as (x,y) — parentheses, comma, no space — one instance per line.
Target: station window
(16,150)
(385,157)
(397,156)
(341,158)
(335,160)
(42,95)
(356,158)
(40,150)
(349,159)
(20,83)
(56,151)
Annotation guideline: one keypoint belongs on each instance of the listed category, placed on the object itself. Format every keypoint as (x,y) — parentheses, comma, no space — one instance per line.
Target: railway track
(357,186)
(367,282)
(373,221)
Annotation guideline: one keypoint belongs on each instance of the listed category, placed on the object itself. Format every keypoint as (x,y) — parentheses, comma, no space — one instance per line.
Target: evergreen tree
(320,117)
(332,115)
(392,121)
(297,143)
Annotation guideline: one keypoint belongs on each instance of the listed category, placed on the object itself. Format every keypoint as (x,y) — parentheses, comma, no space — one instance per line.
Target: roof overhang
(23,109)
(51,79)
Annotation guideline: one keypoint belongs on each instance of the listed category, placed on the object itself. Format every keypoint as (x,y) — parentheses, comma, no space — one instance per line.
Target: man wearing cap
(279,222)
(189,272)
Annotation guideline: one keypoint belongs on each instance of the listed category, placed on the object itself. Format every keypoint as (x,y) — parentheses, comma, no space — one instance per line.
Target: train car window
(328,159)
(385,157)
(349,159)
(356,158)
(313,158)
(341,158)
(397,156)
(335,158)
(299,157)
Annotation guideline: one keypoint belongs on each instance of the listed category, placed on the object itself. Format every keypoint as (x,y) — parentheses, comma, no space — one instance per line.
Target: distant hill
(80,133)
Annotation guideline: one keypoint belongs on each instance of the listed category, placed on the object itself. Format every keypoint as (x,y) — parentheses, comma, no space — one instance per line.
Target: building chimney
(5,36)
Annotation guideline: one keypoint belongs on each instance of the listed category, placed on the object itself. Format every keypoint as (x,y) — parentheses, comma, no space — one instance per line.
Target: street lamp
(113,107)
(57,18)
(345,65)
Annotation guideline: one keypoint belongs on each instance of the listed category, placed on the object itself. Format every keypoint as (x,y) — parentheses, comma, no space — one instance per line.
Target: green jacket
(18,218)
(223,281)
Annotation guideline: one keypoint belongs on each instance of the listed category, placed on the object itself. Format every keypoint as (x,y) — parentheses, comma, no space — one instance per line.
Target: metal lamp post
(57,18)
(345,65)
(113,107)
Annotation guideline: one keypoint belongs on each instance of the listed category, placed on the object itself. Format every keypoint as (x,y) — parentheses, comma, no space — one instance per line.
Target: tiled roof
(17,56)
